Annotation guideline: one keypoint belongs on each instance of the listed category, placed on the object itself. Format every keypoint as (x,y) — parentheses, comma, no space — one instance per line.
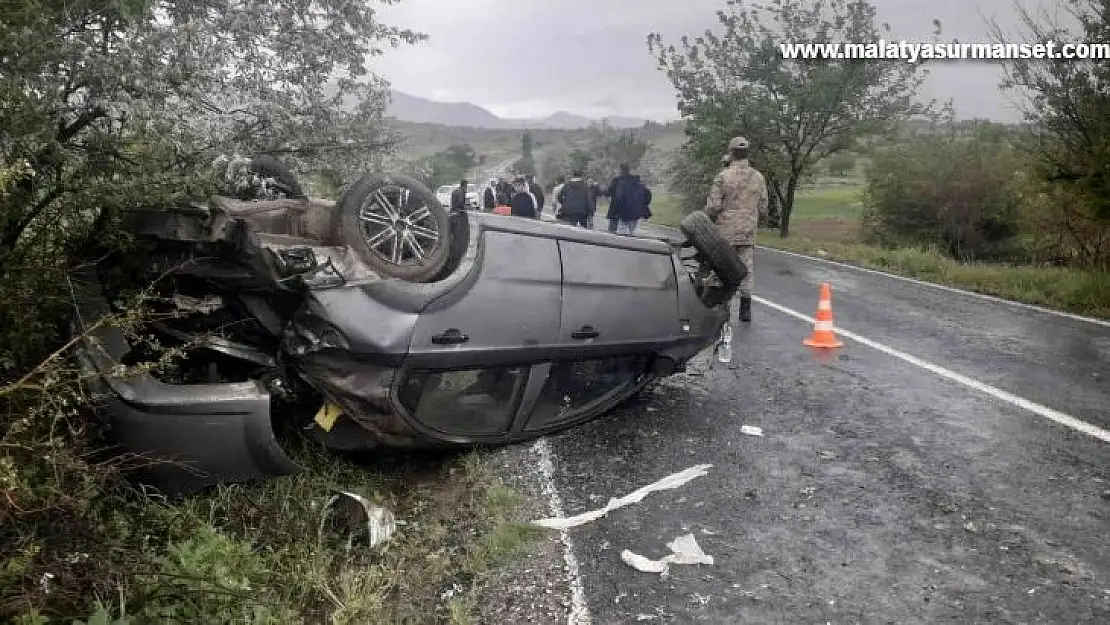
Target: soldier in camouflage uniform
(736,201)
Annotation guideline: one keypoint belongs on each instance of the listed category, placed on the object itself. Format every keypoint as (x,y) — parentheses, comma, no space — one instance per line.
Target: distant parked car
(443,194)
(395,322)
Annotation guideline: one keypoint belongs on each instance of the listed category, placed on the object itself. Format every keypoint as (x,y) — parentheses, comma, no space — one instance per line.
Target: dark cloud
(523,58)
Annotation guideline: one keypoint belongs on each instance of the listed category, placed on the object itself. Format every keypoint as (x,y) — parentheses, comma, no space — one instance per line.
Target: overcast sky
(529,58)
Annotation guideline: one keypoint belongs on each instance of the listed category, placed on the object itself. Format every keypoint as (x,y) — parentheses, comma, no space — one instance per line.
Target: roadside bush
(841,165)
(1061,226)
(953,190)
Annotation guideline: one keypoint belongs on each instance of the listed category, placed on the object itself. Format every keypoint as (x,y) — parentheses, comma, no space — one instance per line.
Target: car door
(471,355)
(616,300)
(507,311)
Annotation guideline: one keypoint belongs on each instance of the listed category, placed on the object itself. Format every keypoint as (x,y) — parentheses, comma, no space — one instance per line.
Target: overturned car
(399,324)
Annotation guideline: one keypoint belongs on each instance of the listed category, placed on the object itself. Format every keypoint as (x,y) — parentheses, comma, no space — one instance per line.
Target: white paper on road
(751,430)
(670,482)
(684,550)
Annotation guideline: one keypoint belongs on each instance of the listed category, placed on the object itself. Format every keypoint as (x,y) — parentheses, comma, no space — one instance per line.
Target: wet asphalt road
(880,492)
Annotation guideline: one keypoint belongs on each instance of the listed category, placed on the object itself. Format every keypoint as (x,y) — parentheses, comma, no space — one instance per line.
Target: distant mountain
(410,108)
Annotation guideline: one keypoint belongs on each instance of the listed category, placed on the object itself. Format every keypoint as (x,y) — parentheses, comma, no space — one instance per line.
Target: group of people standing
(523,196)
(629,201)
(575,199)
(737,199)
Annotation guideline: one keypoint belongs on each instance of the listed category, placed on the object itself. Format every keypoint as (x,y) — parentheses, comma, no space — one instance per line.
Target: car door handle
(585,332)
(450,337)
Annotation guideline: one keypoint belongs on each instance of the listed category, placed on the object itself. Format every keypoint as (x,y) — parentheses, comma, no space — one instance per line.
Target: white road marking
(997,393)
(579,610)
(990,298)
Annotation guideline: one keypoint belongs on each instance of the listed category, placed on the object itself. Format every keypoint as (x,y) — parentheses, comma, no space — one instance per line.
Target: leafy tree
(608,150)
(553,162)
(524,166)
(461,155)
(795,112)
(526,145)
(579,160)
(1067,106)
(446,166)
(123,103)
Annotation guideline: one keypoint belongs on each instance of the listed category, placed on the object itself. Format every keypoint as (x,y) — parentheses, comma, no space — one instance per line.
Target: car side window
(574,387)
(464,402)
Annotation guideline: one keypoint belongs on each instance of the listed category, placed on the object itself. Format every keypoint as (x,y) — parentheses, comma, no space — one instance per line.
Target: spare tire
(717,251)
(270,167)
(396,225)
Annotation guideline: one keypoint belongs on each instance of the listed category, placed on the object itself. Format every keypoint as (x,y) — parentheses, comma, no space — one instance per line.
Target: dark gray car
(397,325)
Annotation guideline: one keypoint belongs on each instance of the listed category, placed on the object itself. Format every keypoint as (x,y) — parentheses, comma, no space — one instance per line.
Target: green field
(840,203)
(837,204)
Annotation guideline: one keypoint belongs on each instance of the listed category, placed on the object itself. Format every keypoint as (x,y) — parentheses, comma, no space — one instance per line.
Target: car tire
(715,249)
(270,167)
(377,209)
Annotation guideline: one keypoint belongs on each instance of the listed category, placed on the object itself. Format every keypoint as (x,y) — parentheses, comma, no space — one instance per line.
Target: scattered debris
(751,430)
(684,550)
(670,482)
(350,512)
(206,305)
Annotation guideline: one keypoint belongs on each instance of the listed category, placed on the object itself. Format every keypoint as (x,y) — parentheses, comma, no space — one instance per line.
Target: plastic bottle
(724,345)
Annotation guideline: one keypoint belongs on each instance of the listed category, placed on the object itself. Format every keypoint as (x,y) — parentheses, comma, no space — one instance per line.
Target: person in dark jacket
(458,198)
(595,192)
(523,204)
(537,191)
(574,201)
(489,196)
(629,199)
(646,203)
(504,193)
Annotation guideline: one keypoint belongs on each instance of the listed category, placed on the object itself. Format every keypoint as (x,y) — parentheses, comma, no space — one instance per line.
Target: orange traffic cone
(823,335)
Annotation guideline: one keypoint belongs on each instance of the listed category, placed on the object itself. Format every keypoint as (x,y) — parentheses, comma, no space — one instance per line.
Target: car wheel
(714,248)
(397,226)
(270,167)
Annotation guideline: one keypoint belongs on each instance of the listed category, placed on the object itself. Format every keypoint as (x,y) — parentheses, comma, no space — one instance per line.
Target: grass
(839,203)
(268,553)
(666,209)
(836,203)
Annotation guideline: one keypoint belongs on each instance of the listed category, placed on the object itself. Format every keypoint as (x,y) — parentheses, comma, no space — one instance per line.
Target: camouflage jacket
(736,200)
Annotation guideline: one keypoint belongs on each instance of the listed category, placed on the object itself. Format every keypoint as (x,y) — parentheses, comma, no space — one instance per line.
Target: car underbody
(516,328)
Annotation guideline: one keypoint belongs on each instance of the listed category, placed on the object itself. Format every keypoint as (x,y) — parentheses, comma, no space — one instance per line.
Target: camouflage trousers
(747,257)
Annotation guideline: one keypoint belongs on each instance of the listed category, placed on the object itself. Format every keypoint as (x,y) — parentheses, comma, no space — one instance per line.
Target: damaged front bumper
(190,436)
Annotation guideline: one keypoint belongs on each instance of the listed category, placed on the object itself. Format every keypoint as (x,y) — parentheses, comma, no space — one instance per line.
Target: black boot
(746,309)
